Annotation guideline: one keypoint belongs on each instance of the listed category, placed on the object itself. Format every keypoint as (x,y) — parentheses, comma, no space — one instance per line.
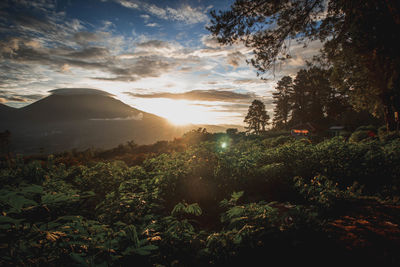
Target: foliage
(205,205)
(324,193)
(363,58)
(358,136)
(282,101)
(256,118)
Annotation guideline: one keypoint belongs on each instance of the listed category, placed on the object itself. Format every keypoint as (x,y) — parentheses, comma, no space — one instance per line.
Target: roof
(333,128)
(308,125)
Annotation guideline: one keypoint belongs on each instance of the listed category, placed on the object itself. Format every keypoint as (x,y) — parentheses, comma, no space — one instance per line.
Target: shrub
(359,135)
(366,128)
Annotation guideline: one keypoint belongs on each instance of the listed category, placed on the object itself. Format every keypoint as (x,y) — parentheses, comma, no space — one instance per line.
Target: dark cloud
(235,59)
(140,68)
(85,37)
(8,96)
(16,99)
(200,95)
(90,52)
(186,69)
(79,91)
(89,58)
(38,24)
(153,44)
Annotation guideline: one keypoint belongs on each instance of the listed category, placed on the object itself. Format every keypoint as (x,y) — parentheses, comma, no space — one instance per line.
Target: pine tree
(281,99)
(257,117)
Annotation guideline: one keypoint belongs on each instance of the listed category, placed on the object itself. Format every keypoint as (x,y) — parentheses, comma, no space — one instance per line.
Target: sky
(156,56)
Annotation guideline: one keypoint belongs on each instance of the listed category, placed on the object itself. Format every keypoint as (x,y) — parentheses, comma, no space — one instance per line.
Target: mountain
(5,112)
(5,108)
(82,118)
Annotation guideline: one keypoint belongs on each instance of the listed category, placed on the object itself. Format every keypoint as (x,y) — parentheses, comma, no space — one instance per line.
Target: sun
(177,112)
(181,113)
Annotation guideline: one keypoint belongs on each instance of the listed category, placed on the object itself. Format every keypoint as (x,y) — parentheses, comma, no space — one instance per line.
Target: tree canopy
(257,117)
(360,40)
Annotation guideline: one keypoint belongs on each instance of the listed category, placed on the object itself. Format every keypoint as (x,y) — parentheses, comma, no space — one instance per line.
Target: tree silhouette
(360,39)
(281,99)
(257,117)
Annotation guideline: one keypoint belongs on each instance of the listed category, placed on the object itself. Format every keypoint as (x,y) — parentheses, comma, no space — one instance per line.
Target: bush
(366,128)
(277,141)
(385,136)
(359,135)
(106,213)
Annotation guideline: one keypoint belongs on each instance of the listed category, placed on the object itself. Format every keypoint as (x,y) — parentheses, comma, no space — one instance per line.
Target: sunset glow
(135,50)
(181,112)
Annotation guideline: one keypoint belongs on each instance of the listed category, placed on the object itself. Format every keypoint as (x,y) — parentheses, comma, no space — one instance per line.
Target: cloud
(248,81)
(90,52)
(210,41)
(152,25)
(153,44)
(16,99)
(7,96)
(137,117)
(35,24)
(235,59)
(185,13)
(199,95)
(150,60)
(299,55)
(75,24)
(85,37)
(79,91)
(145,17)
(9,46)
(140,68)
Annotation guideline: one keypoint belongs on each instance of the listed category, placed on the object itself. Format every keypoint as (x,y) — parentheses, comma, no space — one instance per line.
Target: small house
(303,130)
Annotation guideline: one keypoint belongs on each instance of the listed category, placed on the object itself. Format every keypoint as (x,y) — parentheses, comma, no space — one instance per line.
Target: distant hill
(83,118)
(5,112)
(5,108)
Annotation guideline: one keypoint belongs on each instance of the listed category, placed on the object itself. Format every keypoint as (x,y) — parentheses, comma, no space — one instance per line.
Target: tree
(281,99)
(310,97)
(354,33)
(231,131)
(257,117)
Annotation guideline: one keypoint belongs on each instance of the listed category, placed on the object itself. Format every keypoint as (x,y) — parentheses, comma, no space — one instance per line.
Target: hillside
(84,118)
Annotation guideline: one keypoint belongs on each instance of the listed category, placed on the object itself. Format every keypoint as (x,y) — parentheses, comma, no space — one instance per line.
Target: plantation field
(205,200)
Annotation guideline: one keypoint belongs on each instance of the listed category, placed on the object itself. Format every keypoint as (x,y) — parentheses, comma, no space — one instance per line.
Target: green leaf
(146,250)
(78,258)
(49,198)
(150,247)
(238,239)
(132,235)
(178,209)
(6,219)
(18,202)
(235,211)
(236,195)
(36,189)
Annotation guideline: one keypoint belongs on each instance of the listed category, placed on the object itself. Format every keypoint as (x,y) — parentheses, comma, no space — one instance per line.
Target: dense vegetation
(205,199)
(358,64)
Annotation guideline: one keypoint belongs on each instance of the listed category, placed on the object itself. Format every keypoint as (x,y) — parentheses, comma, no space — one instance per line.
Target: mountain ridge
(90,118)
